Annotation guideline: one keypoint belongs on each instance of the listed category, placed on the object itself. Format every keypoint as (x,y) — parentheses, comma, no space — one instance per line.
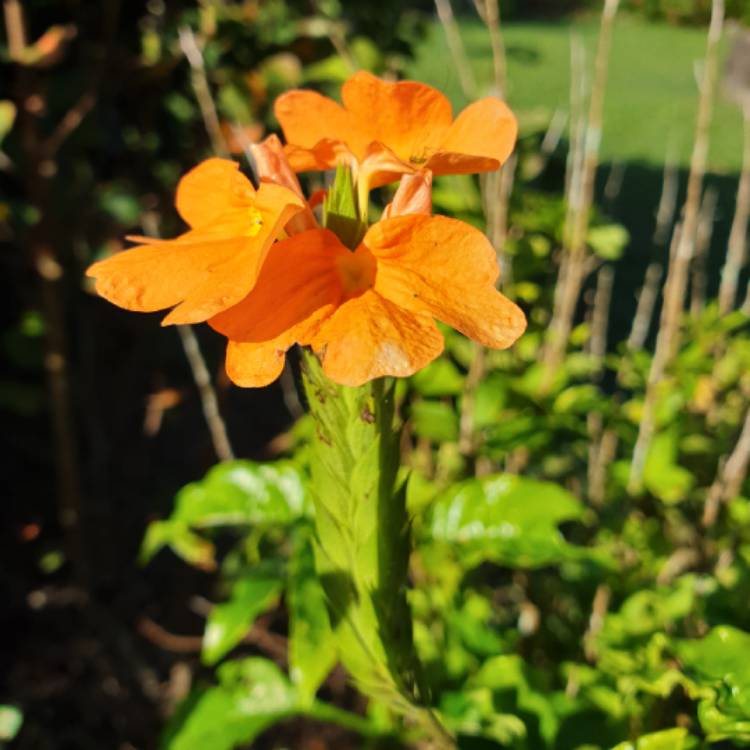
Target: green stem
(363,543)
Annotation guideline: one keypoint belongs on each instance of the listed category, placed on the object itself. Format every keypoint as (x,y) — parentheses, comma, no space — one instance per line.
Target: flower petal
(480,140)
(229,280)
(446,268)
(414,196)
(254,365)
(273,167)
(211,189)
(370,337)
(410,118)
(203,271)
(308,118)
(162,274)
(298,279)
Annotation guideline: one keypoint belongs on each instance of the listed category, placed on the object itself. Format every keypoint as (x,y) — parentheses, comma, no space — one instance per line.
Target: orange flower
(215,264)
(370,312)
(389,129)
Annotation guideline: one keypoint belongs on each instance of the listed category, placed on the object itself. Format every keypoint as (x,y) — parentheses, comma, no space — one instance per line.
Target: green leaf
(11,720)
(661,474)
(252,695)
(508,672)
(120,202)
(720,663)
(232,493)
(439,378)
(312,647)
(579,399)
(435,420)
(229,622)
(668,739)
(191,547)
(608,241)
(7,117)
(507,519)
(243,492)
(490,398)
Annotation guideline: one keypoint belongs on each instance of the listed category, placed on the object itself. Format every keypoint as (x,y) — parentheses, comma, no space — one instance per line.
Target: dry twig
(702,246)
(675,286)
(644,312)
(456,48)
(732,473)
(737,248)
(209,401)
(580,194)
(194,55)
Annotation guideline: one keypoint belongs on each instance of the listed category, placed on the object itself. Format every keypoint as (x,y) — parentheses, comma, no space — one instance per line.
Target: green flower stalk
(363,528)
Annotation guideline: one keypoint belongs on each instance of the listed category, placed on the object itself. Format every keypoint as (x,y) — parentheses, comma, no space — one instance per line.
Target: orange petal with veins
(298,279)
(444,267)
(410,118)
(370,337)
(414,196)
(309,119)
(205,270)
(481,139)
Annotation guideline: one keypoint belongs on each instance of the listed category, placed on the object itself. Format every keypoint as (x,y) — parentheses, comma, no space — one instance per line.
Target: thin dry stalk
(601,455)
(209,402)
(574,265)
(553,135)
(596,621)
(668,201)
(668,339)
(737,248)
(456,48)
(466,440)
(613,186)
(702,246)
(497,189)
(644,312)
(337,37)
(732,474)
(489,12)
(194,55)
(206,391)
(572,173)
(600,316)
(15,28)
(597,350)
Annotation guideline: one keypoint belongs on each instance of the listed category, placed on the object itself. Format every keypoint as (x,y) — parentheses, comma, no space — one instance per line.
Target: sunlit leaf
(255,592)
(507,519)
(312,647)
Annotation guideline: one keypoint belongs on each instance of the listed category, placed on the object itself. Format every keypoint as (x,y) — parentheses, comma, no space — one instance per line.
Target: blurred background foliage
(152,599)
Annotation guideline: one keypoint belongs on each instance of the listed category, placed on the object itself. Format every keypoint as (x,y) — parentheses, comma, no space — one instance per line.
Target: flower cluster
(260,269)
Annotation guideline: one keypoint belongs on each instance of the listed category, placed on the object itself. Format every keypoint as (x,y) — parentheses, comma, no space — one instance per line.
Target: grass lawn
(651,97)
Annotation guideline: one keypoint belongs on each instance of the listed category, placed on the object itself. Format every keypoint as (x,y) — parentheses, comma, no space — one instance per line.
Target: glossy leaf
(234,493)
(507,519)
(312,646)
(229,622)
